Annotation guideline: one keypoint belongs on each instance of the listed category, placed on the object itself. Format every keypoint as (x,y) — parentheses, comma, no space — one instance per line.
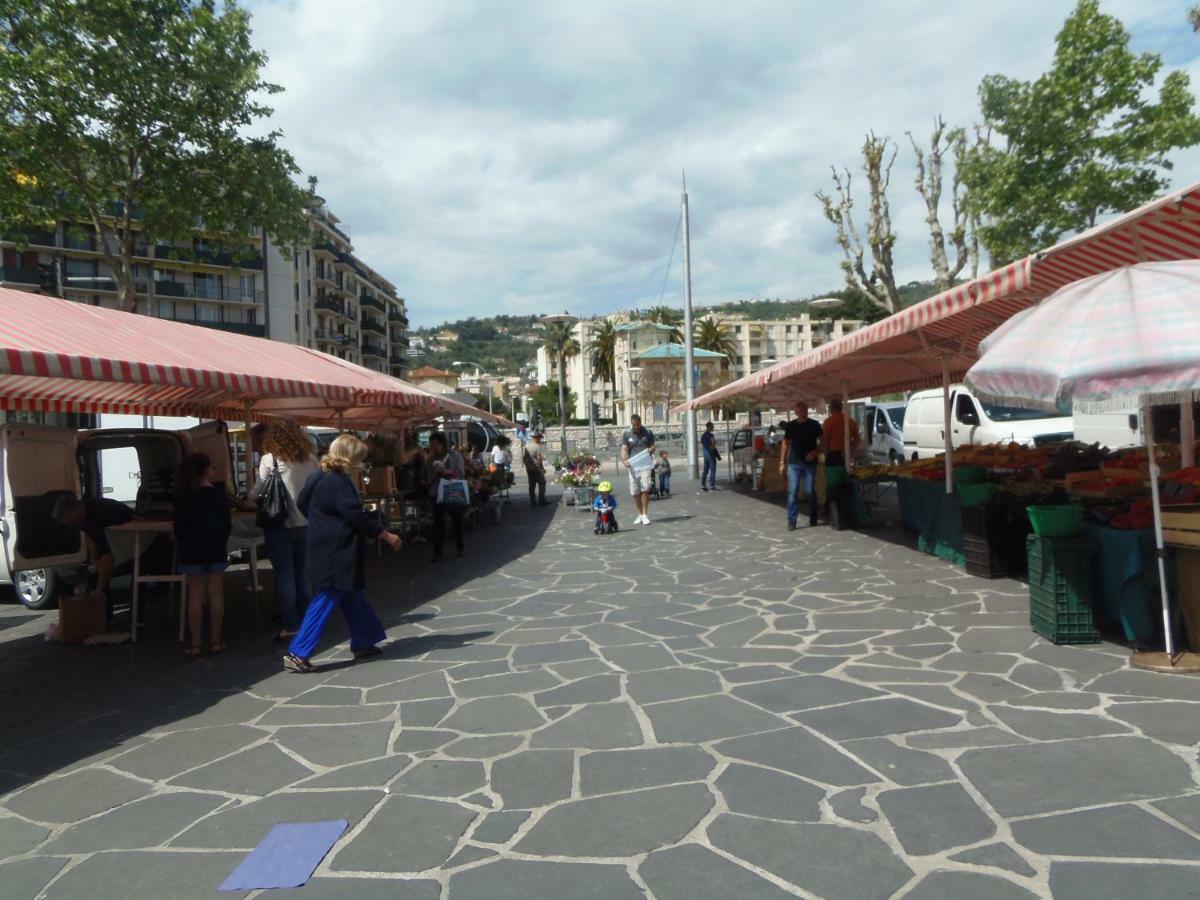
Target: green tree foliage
(561,345)
(545,401)
(137,115)
(712,334)
(1085,139)
(603,349)
(672,318)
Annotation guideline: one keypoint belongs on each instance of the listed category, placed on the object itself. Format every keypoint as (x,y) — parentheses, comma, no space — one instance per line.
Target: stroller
(606,518)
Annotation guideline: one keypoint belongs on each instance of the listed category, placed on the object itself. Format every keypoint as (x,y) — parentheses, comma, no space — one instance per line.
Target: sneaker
(645,520)
(293,663)
(791,526)
(704,489)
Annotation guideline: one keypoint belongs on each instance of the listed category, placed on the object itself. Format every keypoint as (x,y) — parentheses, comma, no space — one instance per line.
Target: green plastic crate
(1060,589)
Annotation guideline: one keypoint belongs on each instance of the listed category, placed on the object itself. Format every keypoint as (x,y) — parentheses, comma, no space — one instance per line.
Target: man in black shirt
(798,457)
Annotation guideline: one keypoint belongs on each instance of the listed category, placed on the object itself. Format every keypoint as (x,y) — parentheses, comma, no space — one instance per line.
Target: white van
(884,431)
(973,422)
(40,463)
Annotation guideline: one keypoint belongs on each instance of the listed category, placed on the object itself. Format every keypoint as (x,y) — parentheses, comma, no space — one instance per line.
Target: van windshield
(896,417)
(1013,413)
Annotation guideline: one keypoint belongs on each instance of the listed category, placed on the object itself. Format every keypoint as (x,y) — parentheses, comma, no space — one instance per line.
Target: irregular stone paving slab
(242,827)
(134,826)
(483,747)
(441,778)
(561,651)
(618,824)
(935,818)
(1185,810)
(406,834)
(27,877)
(1113,881)
(18,836)
(900,764)
(596,689)
(997,856)
(468,855)
(374,773)
(1108,832)
(987,736)
(258,771)
(752,791)
(624,770)
(827,860)
(1176,723)
(75,796)
(499,827)
(179,752)
(423,687)
(601,727)
(419,740)
(1077,700)
(801,753)
(638,658)
(872,718)
(803,692)
(1145,684)
(606,635)
(849,805)
(510,879)
(995,663)
(327,695)
(533,778)
(115,876)
(1052,726)
(896,675)
(1040,778)
(671,684)
(943,885)
(425,713)
(494,715)
(331,888)
(336,745)
(750,674)
(221,709)
(707,719)
(1037,677)
(691,872)
(997,640)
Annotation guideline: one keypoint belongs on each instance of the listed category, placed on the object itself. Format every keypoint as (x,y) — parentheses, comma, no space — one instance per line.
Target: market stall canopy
(1131,332)
(909,349)
(64,357)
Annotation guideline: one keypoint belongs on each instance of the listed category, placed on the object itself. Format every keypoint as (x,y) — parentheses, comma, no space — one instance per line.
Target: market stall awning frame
(913,348)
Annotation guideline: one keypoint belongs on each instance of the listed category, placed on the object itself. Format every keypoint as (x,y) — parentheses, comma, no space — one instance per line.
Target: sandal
(294,663)
(194,651)
(284,636)
(217,647)
(367,653)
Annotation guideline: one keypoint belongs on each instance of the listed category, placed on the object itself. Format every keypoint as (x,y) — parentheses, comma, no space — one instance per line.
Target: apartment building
(760,343)
(323,296)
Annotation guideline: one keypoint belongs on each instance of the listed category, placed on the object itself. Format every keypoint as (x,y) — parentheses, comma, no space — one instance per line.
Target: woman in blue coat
(338,531)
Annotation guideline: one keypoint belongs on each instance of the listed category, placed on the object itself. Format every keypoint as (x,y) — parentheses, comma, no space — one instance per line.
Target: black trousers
(537,486)
(440,512)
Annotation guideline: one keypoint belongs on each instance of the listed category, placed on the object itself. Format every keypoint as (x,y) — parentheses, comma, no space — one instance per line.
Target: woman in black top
(338,530)
(202,526)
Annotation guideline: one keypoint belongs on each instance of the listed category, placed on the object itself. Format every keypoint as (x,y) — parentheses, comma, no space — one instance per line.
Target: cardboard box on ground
(80,616)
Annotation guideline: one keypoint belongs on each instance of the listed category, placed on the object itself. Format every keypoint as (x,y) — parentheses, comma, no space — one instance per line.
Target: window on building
(206,312)
(208,287)
(246,285)
(80,268)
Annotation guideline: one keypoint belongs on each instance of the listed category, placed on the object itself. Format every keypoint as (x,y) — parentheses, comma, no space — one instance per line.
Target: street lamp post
(568,320)
(478,371)
(634,372)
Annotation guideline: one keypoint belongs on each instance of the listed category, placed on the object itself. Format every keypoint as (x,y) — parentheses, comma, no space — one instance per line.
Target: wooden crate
(1187,577)
(1181,526)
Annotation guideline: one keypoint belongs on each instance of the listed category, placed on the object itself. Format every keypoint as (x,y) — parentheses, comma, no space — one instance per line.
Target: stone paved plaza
(710,707)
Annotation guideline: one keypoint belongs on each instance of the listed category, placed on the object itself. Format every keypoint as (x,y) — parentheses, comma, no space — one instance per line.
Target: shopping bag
(274,502)
(641,461)
(454,492)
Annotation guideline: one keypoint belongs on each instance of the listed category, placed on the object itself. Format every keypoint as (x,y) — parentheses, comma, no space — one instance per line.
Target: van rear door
(212,439)
(40,465)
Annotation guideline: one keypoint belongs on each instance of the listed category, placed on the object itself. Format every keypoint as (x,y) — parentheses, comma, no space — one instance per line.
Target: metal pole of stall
(946,437)
(1160,551)
(728,452)
(249,450)
(846,426)
(1187,431)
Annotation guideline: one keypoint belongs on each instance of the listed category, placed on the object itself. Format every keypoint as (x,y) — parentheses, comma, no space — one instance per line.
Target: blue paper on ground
(286,857)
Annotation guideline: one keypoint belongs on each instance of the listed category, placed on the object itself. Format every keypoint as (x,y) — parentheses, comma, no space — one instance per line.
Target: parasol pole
(249,449)
(1187,431)
(846,424)
(948,442)
(1160,551)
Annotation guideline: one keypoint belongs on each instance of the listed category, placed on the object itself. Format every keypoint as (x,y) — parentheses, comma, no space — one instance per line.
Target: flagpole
(689,374)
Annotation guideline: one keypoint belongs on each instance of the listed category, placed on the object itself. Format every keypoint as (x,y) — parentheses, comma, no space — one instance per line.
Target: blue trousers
(287,550)
(365,628)
(796,472)
(709,475)
(664,484)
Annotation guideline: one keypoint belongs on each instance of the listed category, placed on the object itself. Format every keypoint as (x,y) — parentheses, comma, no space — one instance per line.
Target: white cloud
(526,157)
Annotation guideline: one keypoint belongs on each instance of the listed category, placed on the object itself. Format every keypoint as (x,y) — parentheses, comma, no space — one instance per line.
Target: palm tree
(603,348)
(560,345)
(673,318)
(713,335)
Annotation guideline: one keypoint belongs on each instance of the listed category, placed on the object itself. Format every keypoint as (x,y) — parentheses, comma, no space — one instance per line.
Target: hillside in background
(504,344)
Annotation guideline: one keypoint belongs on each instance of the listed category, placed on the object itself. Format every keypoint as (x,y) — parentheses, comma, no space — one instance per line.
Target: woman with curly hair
(338,530)
(286,448)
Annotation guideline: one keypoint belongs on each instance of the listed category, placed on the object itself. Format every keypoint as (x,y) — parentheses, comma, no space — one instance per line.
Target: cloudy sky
(525,157)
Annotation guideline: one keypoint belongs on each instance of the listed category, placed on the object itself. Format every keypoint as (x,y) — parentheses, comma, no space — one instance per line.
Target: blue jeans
(709,475)
(286,548)
(365,628)
(664,484)
(795,473)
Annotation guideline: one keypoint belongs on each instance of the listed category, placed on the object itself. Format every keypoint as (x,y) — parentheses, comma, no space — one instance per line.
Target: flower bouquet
(577,474)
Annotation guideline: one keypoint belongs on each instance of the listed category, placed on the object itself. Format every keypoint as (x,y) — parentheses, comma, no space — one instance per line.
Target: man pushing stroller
(605,506)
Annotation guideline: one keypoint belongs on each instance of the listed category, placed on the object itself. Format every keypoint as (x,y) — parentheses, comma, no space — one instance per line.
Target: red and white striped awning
(65,357)
(907,350)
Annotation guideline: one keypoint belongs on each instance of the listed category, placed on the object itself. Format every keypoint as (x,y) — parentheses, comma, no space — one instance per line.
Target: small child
(202,526)
(605,506)
(664,474)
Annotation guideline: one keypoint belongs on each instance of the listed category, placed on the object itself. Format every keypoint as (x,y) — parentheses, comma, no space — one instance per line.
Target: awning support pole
(949,443)
(1160,550)
(1187,430)
(341,420)
(847,451)
(249,450)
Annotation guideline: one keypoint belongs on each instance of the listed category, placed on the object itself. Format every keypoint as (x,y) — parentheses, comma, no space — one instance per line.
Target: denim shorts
(203,568)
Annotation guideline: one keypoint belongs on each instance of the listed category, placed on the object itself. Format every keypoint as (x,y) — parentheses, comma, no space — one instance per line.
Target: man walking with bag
(534,458)
(639,439)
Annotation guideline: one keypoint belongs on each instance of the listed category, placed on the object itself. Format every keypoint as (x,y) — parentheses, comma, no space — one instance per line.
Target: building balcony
(326,248)
(399,359)
(34,238)
(330,305)
(246,328)
(20,275)
(222,258)
(374,302)
(185,291)
(367,323)
(398,318)
(374,350)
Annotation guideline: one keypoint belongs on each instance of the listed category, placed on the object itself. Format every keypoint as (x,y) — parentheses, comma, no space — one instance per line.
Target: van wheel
(36,588)
(914,456)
